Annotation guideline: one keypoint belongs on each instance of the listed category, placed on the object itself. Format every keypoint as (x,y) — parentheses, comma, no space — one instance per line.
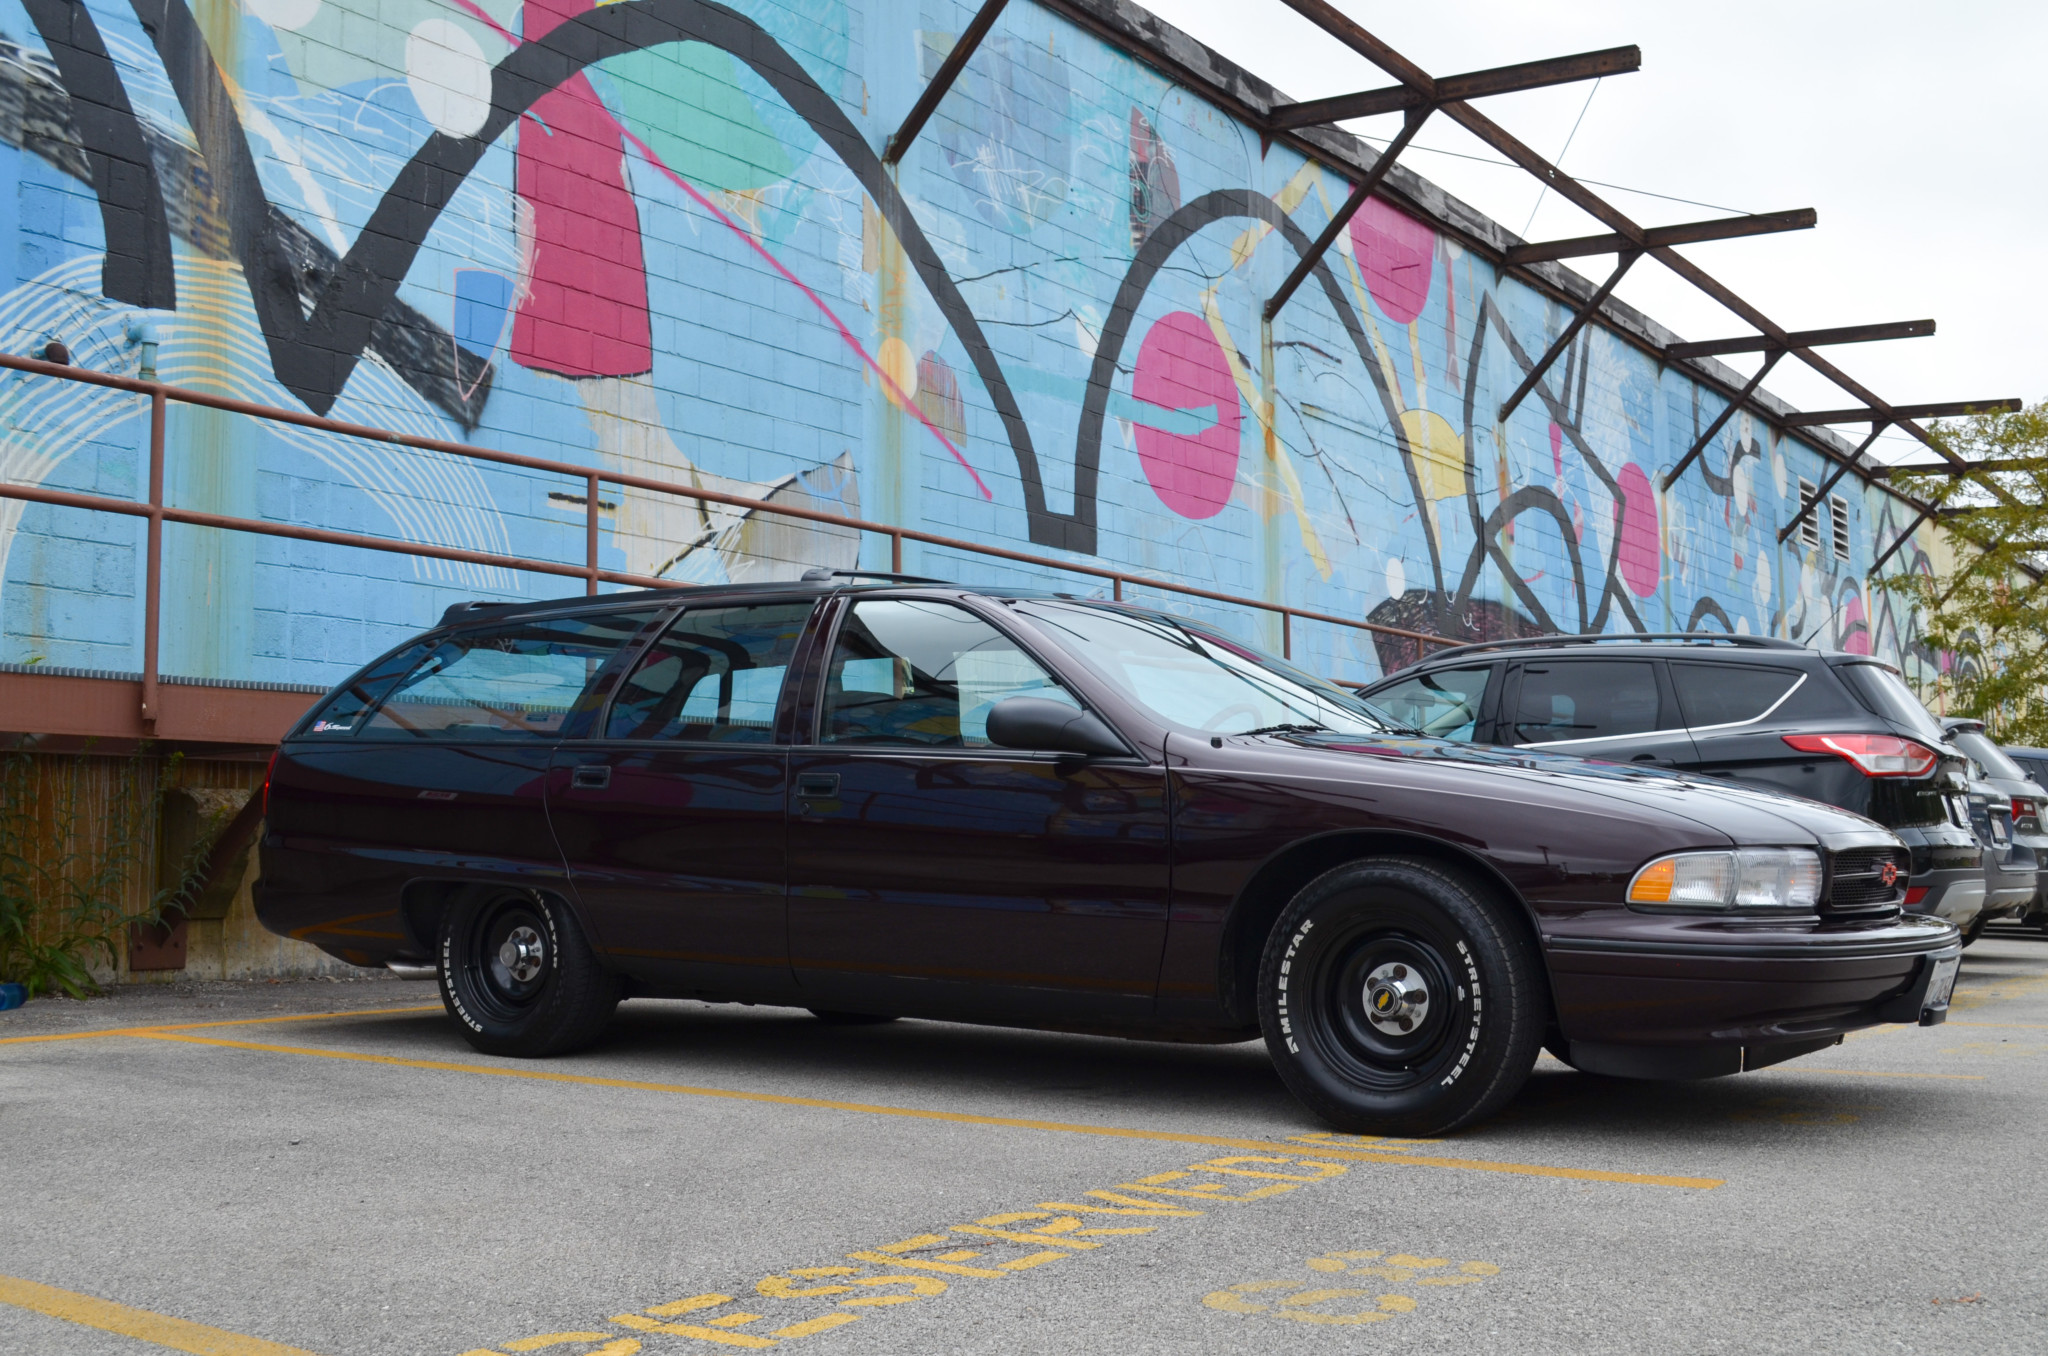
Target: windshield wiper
(1285,729)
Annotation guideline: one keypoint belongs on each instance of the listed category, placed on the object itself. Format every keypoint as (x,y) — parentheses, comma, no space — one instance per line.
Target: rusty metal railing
(158,513)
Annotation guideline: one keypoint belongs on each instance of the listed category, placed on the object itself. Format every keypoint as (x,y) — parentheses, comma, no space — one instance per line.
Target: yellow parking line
(176,1333)
(1870,1073)
(954,1117)
(203,1026)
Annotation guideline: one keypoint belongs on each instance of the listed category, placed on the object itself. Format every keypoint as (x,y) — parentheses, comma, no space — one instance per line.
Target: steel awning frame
(1147,38)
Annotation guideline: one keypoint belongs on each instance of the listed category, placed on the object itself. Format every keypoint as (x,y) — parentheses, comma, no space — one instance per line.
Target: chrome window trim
(1680,729)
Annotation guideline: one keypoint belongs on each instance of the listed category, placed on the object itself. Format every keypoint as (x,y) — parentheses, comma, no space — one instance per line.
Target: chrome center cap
(523,954)
(1395,1000)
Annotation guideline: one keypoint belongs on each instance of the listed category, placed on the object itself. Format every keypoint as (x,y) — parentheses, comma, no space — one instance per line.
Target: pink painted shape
(585,309)
(896,393)
(1638,557)
(1855,627)
(1397,254)
(1182,367)
(1557,449)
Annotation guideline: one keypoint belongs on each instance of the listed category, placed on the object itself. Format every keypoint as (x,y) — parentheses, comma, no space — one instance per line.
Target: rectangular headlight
(1751,878)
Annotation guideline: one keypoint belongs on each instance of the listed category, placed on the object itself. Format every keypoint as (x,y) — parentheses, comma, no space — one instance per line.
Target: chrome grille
(1858,879)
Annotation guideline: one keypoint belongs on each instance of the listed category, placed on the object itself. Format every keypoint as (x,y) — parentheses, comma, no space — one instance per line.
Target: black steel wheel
(518,975)
(832,1017)
(1397,996)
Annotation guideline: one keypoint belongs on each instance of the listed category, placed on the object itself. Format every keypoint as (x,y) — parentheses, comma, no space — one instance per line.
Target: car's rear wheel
(1399,997)
(831,1017)
(518,975)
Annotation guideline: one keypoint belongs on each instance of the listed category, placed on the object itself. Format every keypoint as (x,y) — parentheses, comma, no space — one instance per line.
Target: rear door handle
(592,776)
(819,784)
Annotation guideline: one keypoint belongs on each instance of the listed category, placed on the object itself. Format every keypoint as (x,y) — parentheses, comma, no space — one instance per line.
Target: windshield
(1887,694)
(1988,755)
(1196,679)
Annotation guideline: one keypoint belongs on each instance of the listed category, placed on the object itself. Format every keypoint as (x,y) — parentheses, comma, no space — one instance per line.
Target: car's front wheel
(518,975)
(1397,996)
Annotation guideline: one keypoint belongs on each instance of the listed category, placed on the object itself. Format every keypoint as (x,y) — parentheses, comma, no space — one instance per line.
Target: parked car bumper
(1957,896)
(1696,998)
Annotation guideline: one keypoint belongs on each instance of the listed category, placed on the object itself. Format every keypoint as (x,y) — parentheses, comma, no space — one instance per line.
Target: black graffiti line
(313,355)
(133,222)
(1168,236)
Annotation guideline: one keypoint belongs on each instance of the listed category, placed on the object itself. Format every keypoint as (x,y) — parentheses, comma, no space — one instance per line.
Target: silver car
(2005,810)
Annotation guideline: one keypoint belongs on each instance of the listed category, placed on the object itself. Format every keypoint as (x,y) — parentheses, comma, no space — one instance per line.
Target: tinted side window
(715,675)
(516,681)
(1585,699)
(1729,694)
(913,672)
(1444,703)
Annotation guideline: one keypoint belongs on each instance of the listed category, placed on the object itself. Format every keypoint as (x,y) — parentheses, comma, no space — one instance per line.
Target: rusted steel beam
(1563,341)
(1723,228)
(153,560)
(1472,85)
(1812,506)
(942,80)
(1900,540)
(1342,217)
(1900,413)
(106,713)
(1758,343)
(1699,444)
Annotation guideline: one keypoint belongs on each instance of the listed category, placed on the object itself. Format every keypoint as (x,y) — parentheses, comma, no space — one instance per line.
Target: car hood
(1741,813)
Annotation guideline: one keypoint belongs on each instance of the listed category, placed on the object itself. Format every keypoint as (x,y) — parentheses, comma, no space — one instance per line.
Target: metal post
(1411,123)
(1699,444)
(1286,634)
(590,533)
(1116,587)
(153,561)
(1571,331)
(949,71)
(896,552)
(1877,426)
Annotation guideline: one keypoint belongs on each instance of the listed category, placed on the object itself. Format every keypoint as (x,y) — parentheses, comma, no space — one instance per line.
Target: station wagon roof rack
(819,574)
(1687,637)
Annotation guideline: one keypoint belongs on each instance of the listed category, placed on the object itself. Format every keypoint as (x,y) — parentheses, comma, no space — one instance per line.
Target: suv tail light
(2024,809)
(1873,755)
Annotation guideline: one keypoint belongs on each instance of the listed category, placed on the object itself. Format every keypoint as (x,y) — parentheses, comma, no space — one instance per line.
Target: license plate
(1943,982)
(1999,836)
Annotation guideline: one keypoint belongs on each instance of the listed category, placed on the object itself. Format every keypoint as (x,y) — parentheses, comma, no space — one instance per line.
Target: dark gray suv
(1839,728)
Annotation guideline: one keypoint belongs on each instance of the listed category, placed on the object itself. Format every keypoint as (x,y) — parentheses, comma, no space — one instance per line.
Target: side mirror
(1045,726)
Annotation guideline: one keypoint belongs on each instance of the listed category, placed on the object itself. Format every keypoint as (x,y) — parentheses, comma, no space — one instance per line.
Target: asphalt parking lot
(258,1169)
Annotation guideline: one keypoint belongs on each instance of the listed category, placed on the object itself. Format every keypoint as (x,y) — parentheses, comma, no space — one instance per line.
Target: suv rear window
(1988,756)
(514,681)
(1887,694)
(1585,699)
(1729,694)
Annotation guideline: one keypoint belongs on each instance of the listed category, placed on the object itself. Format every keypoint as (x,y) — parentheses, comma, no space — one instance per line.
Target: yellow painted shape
(688,1306)
(1317,1297)
(1323,1171)
(780,1287)
(1010,1237)
(1439,453)
(897,361)
(824,1323)
(945,1268)
(912,1244)
(178,1334)
(555,1339)
(1038,1259)
(1147,1229)
(963,1255)
(1479,1268)
(1139,1206)
(1231,1304)
(1324,1264)
(704,1334)
(732,1320)
(203,1026)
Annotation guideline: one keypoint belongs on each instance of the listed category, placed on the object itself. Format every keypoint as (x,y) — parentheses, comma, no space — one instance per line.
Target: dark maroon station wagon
(897,798)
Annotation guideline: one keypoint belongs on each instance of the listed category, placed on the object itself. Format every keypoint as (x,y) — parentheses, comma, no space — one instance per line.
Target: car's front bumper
(1672,997)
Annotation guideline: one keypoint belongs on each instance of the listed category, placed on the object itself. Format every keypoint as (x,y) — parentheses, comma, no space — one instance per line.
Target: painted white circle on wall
(285,13)
(449,76)
(1397,577)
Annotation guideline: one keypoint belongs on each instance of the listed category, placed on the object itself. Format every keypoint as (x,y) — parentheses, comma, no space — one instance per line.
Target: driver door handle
(592,777)
(819,784)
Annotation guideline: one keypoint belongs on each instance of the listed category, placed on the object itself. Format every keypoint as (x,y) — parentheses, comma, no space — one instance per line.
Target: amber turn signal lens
(1652,884)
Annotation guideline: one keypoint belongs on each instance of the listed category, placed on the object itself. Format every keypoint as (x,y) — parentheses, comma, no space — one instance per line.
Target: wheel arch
(423,903)
(1281,876)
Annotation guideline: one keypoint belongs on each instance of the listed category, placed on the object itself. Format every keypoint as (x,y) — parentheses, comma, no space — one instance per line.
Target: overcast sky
(1914,130)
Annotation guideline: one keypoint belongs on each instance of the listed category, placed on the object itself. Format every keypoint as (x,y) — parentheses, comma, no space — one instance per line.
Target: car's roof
(840,581)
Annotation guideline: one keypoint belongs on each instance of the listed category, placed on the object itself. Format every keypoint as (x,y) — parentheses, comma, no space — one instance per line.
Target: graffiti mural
(657,237)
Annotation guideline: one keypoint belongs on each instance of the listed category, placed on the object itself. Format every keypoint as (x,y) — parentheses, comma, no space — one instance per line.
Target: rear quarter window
(516,681)
(1730,694)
